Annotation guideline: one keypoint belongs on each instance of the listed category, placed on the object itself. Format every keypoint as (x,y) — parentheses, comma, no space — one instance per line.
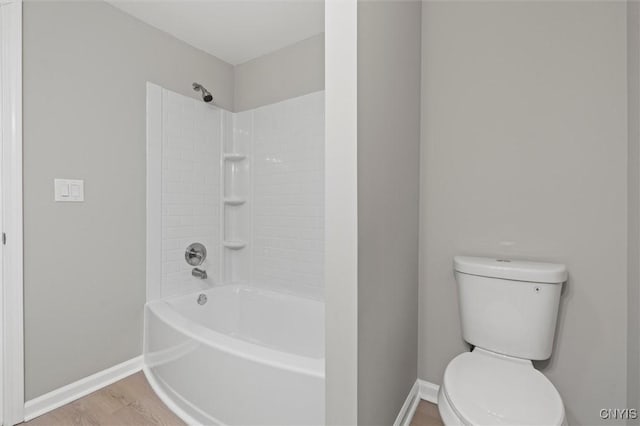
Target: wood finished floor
(132,402)
(426,415)
(128,402)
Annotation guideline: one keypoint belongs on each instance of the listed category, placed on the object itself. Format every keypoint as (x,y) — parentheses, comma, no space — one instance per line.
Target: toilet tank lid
(518,270)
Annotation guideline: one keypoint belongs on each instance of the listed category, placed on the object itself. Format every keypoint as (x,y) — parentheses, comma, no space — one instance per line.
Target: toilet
(508,312)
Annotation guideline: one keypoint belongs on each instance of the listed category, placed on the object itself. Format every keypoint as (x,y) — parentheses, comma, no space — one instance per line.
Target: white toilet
(508,311)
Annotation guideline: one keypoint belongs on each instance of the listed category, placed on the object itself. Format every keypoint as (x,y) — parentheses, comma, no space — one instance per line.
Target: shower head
(206,95)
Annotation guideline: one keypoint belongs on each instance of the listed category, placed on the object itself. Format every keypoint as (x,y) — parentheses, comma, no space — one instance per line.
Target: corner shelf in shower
(234,156)
(235,245)
(234,201)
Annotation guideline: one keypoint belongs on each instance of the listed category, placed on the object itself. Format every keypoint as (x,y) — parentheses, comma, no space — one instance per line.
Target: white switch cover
(70,190)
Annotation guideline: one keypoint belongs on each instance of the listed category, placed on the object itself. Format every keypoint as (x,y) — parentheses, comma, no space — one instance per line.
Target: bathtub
(245,357)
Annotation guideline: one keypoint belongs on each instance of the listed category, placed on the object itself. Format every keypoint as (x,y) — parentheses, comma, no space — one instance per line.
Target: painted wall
(524,155)
(85,68)
(633,217)
(292,71)
(388,181)
(341,213)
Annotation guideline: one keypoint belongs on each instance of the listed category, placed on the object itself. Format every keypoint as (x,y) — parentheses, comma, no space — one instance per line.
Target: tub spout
(199,273)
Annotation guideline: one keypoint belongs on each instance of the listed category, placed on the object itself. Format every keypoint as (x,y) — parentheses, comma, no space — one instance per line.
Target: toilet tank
(509,306)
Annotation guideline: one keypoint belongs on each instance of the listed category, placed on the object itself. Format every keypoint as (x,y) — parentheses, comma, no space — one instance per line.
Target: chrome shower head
(206,95)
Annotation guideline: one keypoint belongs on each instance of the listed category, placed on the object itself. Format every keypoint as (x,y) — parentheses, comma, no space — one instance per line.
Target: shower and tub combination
(234,320)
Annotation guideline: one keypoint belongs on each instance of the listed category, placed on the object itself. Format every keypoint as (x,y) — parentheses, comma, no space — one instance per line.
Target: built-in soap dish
(234,201)
(235,245)
(234,156)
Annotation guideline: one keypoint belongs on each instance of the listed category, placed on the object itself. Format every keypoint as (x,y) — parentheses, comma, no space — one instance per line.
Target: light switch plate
(68,190)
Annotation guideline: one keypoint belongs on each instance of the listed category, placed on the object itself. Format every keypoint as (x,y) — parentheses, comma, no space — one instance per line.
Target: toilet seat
(485,388)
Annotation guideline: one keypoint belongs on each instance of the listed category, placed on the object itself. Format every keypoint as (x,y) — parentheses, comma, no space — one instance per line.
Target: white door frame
(11,306)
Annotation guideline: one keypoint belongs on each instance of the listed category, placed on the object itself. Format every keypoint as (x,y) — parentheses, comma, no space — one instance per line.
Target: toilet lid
(490,389)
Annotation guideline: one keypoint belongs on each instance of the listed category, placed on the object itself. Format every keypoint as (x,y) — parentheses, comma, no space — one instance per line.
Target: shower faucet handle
(199,273)
(195,254)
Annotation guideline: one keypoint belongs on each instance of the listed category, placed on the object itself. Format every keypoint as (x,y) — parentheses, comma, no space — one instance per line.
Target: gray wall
(524,154)
(633,292)
(85,68)
(388,182)
(292,71)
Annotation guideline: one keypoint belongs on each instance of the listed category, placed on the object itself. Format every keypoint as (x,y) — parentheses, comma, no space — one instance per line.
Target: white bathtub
(246,357)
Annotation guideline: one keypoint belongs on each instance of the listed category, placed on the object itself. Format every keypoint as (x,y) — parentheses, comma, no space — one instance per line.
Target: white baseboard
(409,407)
(66,394)
(420,390)
(429,391)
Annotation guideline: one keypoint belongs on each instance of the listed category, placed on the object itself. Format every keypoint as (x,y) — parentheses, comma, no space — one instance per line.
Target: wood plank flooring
(132,402)
(128,402)
(426,415)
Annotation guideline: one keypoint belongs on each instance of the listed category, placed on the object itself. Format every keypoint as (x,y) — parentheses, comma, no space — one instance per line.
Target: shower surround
(288,194)
(250,187)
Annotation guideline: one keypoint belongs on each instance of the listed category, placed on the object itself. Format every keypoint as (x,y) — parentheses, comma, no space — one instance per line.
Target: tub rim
(163,310)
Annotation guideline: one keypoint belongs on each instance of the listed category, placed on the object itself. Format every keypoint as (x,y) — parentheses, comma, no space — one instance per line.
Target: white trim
(429,391)
(69,393)
(421,390)
(154,191)
(12,354)
(409,407)
(225,132)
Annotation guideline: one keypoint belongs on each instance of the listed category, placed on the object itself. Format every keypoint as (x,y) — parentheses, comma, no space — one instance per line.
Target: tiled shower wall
(191,137)
(284,144)
(288,195)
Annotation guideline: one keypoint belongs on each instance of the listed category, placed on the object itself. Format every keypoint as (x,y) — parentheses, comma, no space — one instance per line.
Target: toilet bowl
(484,388)
(508,312)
